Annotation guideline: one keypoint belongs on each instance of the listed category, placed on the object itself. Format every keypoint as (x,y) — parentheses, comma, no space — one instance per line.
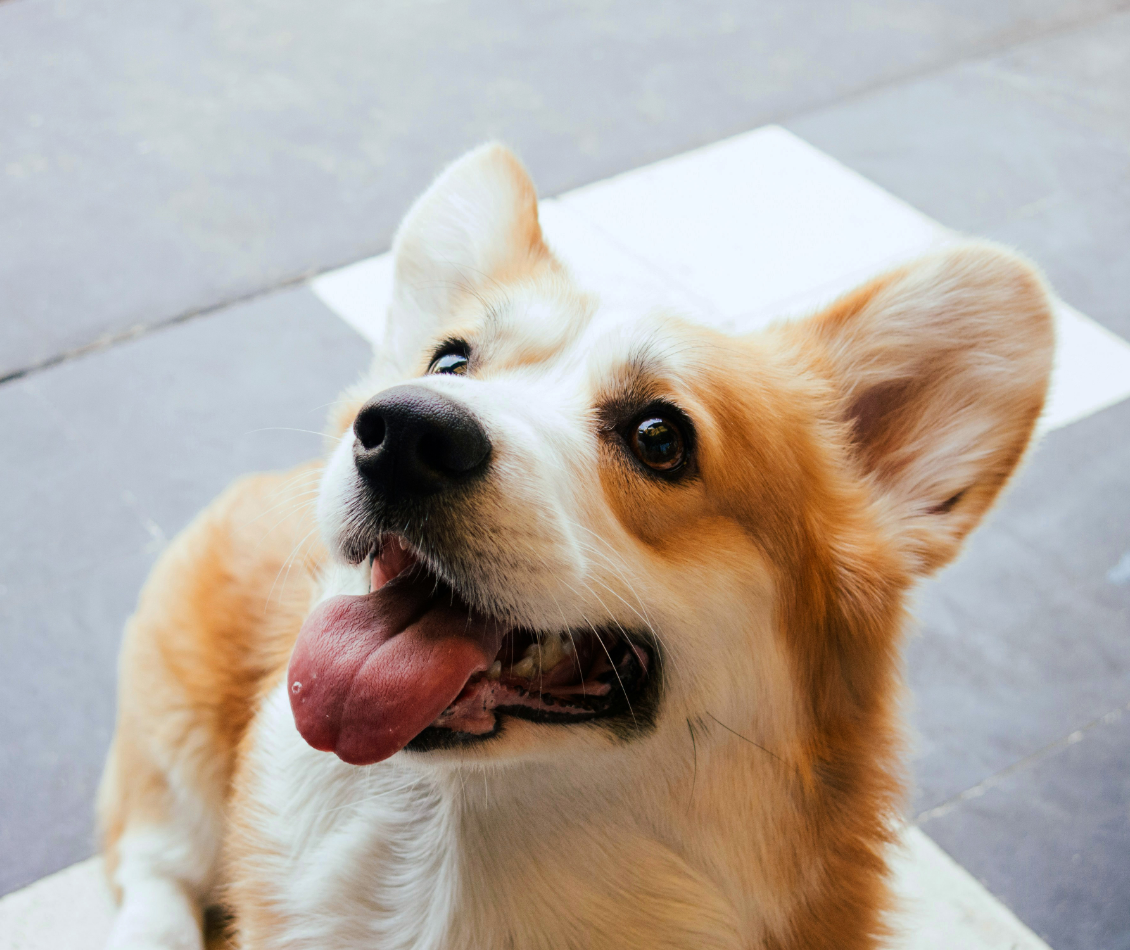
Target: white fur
(401,855)
(162,874)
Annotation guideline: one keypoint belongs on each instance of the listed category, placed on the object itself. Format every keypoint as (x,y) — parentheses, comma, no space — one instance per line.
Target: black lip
(630,711)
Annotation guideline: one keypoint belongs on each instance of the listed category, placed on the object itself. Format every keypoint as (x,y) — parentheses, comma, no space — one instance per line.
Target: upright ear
(941,368)
(475,226)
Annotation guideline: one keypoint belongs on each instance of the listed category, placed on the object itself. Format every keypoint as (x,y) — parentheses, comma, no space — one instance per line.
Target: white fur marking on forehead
(656,345)
(536,319)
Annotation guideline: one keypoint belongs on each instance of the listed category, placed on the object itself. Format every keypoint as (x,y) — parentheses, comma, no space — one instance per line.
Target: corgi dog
(585,633)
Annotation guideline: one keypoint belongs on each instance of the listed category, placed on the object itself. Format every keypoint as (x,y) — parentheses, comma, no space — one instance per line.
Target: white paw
(159,916)
(154,938)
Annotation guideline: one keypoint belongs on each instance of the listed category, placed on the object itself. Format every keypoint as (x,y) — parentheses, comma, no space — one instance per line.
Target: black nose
(412,441)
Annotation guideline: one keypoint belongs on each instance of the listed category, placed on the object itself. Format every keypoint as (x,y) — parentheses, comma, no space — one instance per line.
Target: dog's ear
(941,368)
(477,225)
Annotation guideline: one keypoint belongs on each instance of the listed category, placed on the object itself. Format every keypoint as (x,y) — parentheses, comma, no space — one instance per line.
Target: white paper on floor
(756,228)
(70,910)
(943,907)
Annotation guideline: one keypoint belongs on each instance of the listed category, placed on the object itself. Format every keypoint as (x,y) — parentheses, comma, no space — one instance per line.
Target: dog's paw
(160,922)
(163,939)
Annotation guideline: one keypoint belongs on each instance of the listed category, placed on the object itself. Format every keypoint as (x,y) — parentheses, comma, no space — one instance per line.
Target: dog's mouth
(411,664)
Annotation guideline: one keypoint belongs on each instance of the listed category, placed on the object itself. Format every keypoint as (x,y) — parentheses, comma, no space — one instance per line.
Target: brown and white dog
(603,626)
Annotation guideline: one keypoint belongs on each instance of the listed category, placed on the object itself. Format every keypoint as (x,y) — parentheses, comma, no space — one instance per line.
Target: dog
(586,631)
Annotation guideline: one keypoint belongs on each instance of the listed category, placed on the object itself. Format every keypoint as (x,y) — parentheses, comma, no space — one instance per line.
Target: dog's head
(563,526)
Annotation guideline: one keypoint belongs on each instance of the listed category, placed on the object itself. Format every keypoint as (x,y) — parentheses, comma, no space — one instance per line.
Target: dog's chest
(384,857)
(388,858)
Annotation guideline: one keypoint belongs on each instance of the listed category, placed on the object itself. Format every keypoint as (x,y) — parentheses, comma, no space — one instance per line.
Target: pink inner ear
(949,504)
(872,409)
(944,364)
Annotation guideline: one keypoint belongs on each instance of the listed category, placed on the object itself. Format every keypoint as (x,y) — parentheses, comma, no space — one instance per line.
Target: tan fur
(214,626)
(839,459)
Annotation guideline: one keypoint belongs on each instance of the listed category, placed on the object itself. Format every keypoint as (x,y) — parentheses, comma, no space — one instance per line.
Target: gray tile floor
(106,456)
(1021,684)
(1051,837)
(1031,595)
(163,159)
(1030,147)
(1025,642)
(163,156)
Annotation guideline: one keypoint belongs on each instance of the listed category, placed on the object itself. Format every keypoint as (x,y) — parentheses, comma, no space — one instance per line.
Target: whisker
(576,654)
(615,567)
(607,653)
(288,564)
(294,498)
(744,739)
(694,777)
(320,435)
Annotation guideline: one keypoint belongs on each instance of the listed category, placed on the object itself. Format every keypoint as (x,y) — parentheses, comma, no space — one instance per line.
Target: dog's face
(562,527)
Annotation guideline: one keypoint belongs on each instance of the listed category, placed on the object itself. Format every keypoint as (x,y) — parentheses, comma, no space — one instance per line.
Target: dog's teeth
(543,655)
(524,668)
(495,670)
(551,652)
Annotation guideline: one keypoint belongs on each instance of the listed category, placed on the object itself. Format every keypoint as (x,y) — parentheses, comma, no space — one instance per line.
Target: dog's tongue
(370,673)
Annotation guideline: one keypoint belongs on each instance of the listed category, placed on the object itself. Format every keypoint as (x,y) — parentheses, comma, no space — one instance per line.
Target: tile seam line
(139,330)
(991,781)
(990,51)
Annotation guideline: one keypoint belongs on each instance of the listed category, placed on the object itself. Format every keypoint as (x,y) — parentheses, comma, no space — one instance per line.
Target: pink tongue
(370,673)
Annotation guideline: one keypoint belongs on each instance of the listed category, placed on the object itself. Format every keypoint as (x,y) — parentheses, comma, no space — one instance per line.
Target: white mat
(755,228)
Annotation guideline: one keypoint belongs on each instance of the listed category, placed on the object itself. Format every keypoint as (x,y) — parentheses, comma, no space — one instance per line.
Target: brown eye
(455,363)
(658,443)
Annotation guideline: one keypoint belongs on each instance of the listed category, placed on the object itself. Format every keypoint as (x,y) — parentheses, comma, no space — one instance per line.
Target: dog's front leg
(162,859)
(210,628)
(160,910)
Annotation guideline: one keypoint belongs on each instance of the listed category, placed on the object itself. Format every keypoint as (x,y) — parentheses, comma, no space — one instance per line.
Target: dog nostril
(435,452)
(369,427)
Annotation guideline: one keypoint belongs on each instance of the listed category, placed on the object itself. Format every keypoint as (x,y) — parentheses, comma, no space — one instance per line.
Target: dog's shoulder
(219,615)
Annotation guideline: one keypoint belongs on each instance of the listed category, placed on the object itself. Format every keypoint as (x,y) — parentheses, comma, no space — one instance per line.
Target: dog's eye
(658,443)
(453,361)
